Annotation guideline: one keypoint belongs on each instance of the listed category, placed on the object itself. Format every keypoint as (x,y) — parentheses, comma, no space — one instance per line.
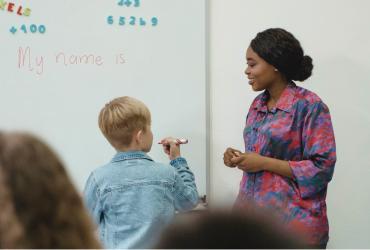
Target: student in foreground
(223,229)
(132,197)
(39,206)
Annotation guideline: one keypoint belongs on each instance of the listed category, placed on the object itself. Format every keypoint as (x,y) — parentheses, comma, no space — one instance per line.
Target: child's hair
(121,117)
(45,207)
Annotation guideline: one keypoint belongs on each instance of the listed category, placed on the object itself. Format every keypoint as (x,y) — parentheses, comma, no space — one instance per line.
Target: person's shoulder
(102,171)
(308,101)
(306,96)
(163,168)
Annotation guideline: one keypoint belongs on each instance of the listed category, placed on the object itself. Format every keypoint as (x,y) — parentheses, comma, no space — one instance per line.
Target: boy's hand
(171,147)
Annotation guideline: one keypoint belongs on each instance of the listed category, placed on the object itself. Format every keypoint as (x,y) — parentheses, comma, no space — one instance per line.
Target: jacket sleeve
(91,197)
(316,168)
(185,190)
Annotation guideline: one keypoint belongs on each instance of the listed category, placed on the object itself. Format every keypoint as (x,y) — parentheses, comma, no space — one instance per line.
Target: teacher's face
(261,74)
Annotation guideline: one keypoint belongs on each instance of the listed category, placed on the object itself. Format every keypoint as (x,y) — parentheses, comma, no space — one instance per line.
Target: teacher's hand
(229,154)
(249,162)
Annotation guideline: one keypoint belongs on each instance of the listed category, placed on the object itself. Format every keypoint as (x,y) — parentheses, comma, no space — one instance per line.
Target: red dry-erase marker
(178,141)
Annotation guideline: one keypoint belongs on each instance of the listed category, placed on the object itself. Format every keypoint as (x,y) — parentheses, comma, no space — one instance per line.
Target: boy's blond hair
(121,117)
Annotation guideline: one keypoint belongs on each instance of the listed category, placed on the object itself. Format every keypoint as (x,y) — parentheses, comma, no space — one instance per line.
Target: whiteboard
(61,61)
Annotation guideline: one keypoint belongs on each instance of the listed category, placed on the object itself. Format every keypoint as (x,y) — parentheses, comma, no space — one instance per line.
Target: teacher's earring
(276,70)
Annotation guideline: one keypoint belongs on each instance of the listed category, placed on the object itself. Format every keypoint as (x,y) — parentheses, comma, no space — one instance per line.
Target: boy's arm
(185,191)
(91,197)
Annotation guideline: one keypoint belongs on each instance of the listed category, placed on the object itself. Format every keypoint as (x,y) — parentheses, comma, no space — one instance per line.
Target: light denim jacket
(132,198)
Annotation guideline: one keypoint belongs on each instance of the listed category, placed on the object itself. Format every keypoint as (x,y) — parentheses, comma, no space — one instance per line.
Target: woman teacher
(289,140)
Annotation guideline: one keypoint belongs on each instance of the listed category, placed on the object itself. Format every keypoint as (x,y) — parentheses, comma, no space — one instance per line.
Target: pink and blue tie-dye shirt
(298,130)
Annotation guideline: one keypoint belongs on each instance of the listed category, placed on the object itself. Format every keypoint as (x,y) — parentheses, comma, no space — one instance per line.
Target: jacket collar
(130,155)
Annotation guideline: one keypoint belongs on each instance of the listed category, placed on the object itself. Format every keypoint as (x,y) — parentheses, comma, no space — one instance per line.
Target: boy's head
(125,122)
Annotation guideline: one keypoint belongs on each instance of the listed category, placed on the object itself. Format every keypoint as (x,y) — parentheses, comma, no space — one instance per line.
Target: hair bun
(305,70)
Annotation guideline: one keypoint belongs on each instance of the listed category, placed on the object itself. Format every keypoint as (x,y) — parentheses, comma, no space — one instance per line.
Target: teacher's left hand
(249,162)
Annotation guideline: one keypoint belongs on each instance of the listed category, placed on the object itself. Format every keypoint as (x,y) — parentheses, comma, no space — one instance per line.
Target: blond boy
(132,197)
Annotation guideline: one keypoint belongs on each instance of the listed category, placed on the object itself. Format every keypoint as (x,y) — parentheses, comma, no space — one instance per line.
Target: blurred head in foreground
(40,208)
(226,229)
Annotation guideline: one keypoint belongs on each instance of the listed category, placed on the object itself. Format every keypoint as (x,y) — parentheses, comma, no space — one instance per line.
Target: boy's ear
(138,136)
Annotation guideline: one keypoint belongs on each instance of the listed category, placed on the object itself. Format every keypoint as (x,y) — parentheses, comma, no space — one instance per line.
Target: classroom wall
(336,35)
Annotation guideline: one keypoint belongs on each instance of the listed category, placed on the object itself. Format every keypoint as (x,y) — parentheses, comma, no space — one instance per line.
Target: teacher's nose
(247,71)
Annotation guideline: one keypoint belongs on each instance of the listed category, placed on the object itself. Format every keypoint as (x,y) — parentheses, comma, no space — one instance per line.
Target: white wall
(336,35)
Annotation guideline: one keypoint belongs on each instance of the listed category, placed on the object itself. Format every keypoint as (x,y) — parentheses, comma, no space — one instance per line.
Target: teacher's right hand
(229,154)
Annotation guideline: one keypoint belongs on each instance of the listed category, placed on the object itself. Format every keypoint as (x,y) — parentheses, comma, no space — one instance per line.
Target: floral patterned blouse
(298,130)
